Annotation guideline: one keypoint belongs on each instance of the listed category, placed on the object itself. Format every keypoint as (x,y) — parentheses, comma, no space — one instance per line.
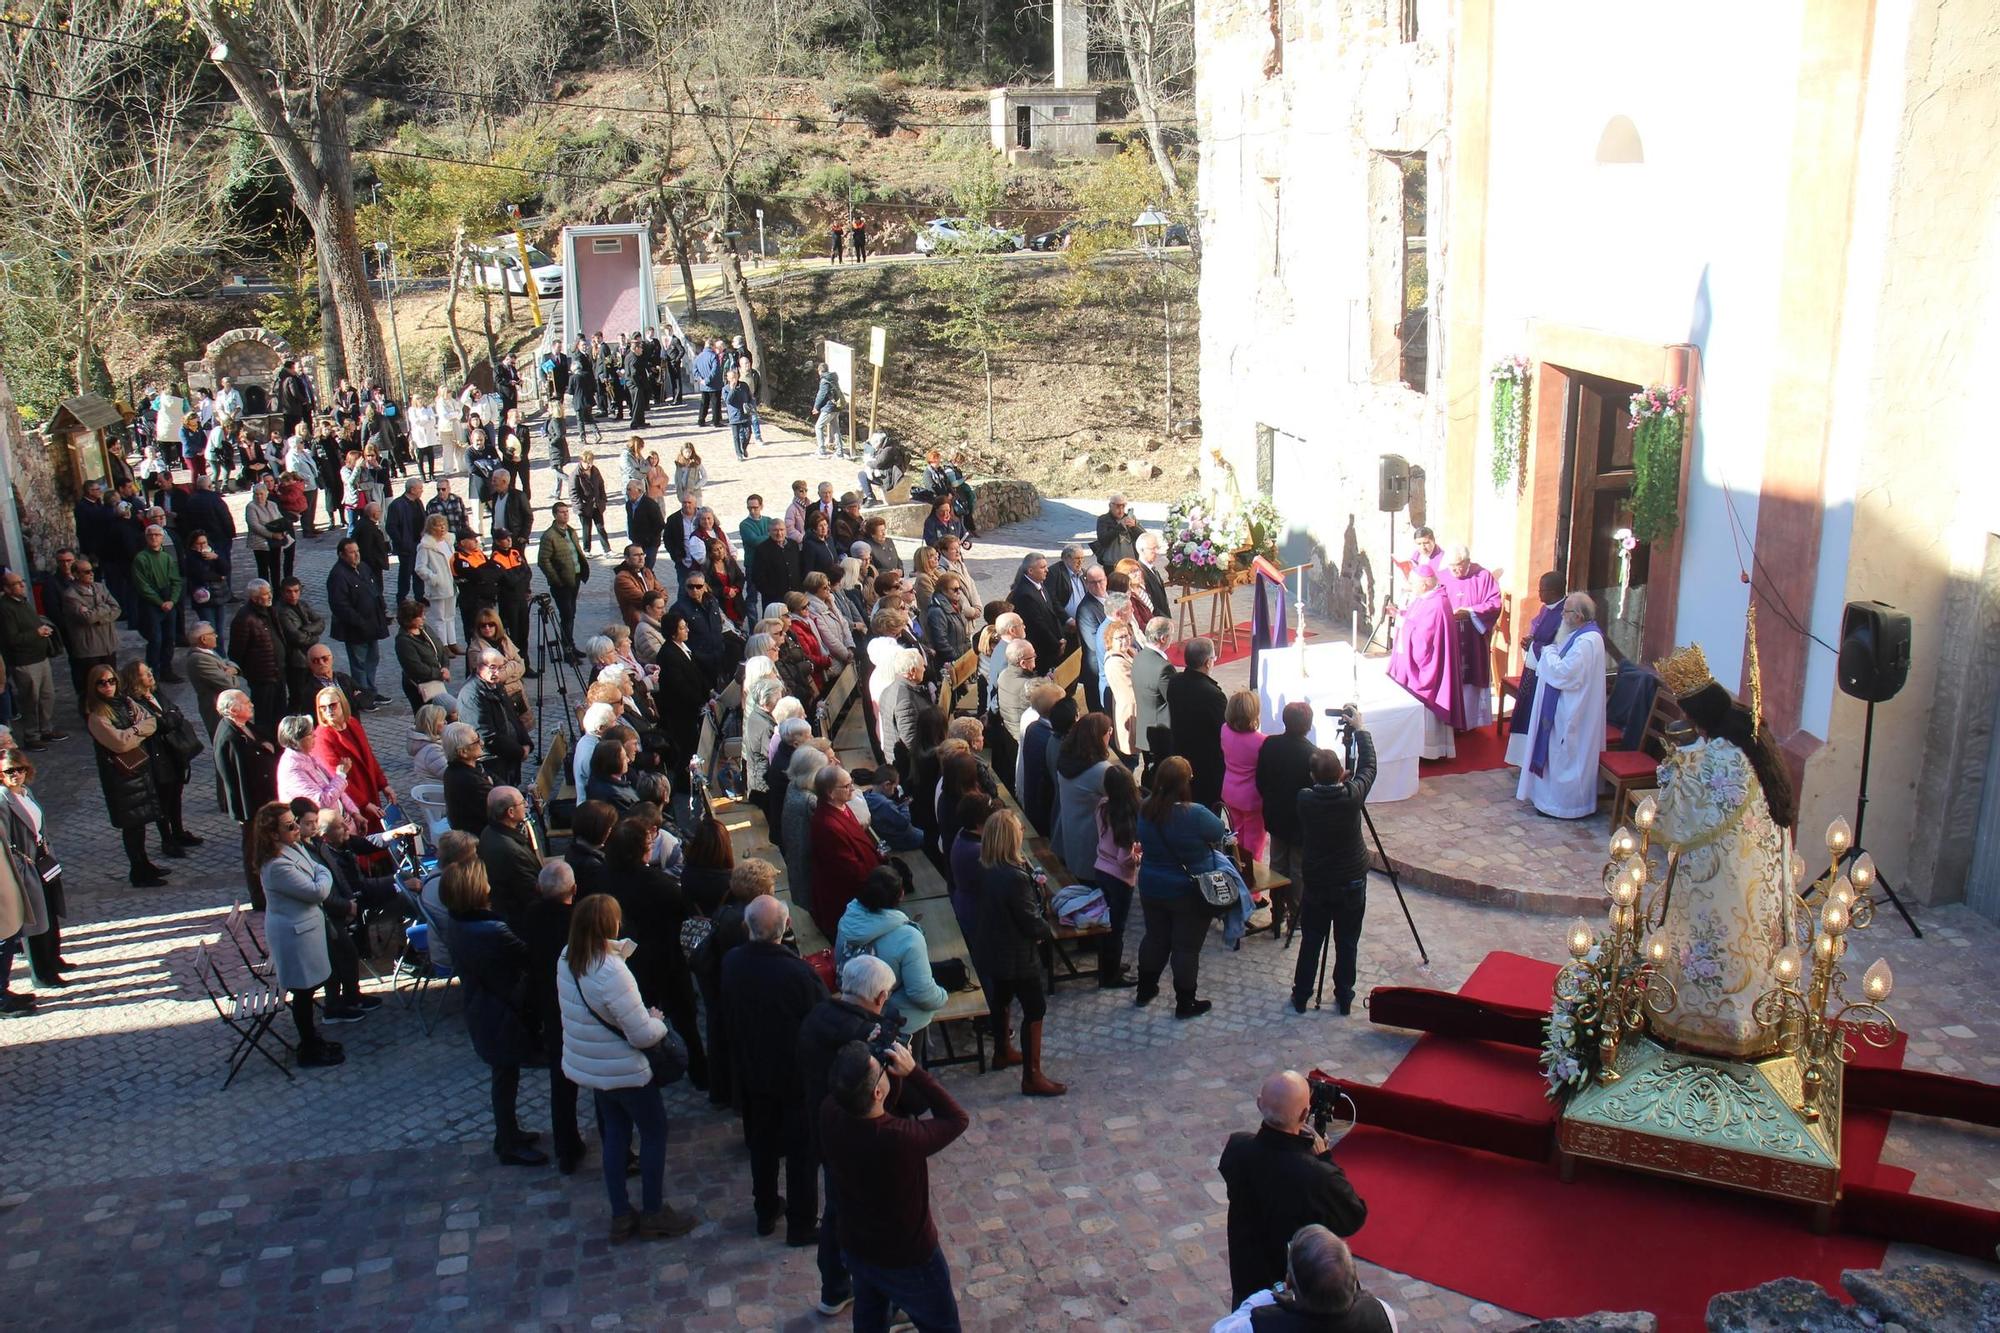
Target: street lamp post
(760,238)
(384,261)
(1152,226)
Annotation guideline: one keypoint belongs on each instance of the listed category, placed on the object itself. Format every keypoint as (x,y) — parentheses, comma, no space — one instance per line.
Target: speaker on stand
(1874,664)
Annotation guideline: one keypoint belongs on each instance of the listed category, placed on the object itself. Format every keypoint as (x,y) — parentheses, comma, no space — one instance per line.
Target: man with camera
(1334,858)
(852,1015)
(878,1144)
(1281,1178)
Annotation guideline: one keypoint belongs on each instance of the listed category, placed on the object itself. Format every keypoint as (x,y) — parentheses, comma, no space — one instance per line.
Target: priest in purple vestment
(1425,661)
(1475,603)
(1541,634)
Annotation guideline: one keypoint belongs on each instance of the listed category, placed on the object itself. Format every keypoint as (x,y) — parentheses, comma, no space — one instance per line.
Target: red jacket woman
(843,852)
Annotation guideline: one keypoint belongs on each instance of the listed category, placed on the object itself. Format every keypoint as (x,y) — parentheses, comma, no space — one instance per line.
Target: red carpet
(1510,1232)
(1478,750)
(1223,652)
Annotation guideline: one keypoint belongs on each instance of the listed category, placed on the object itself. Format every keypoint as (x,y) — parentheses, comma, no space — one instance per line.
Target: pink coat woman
(1241,743)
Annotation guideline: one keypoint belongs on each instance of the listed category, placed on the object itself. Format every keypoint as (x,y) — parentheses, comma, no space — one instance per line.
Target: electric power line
(401,91)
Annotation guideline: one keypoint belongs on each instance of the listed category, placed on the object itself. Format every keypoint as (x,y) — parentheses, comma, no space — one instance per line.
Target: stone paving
(135,1190)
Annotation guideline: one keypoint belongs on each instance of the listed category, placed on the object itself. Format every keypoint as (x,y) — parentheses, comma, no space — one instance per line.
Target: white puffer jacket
(593,1055)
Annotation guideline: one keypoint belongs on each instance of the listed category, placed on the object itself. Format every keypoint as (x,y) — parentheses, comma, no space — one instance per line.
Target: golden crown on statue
(1685,672)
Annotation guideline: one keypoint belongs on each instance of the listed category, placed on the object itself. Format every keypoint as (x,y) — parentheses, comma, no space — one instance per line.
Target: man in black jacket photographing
(1335,862)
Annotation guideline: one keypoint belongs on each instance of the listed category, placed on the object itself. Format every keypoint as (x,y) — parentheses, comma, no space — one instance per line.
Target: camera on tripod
(545,603)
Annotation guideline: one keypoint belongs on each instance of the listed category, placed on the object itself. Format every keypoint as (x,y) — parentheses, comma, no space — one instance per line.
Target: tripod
(1861,817)
(1388,868)
(551,653)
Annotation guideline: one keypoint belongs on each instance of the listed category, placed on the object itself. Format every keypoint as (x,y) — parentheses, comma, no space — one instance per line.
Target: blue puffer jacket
(894,938)
(1186,846)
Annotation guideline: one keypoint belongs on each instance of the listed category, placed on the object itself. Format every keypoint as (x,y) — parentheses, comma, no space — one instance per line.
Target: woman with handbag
(607,1032)
(295,888)
(26,830)
(425,661)
(172,748)
(1011,932)
(493,962)
(119,729)
(1178,840)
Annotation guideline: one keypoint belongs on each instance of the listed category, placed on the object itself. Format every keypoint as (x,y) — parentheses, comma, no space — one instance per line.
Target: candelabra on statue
(1609,986)
(1814,1023)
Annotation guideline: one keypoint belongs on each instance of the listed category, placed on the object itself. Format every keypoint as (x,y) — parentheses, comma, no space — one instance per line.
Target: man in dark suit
(507,508)
(1281,1178)
(1152,672)
(1149,565)
(645,525)
(1284,769)
(1031,599)
(507,849)
(1195,705)
(405,529)
(680,527)
(767,991)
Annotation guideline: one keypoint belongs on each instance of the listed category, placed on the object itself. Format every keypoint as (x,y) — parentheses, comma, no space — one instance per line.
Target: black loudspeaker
(1394,487)
(1874,651)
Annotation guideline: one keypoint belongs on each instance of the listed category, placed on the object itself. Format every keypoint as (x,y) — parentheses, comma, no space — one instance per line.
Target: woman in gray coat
(1080,765)
(807,760)
(295,886)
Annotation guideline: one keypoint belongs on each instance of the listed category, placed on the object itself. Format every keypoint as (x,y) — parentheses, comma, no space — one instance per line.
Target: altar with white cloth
(1328,675)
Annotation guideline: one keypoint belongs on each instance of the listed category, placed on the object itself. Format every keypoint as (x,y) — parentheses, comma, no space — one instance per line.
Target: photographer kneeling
(1335,861)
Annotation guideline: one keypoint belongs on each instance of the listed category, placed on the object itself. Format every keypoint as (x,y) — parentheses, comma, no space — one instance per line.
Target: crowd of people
(646,942)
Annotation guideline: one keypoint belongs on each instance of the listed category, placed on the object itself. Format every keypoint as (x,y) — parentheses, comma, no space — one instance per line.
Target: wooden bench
(962,681)
(552,780)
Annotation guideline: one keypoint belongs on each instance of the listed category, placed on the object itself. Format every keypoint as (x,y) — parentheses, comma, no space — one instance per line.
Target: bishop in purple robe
(1425,661)
(1475,604)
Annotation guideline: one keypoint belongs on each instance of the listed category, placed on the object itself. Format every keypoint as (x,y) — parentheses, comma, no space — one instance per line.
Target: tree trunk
(332,356)
(492,344)
(986,364)
(739,291)
(339,241)
(451,309)
(670,218)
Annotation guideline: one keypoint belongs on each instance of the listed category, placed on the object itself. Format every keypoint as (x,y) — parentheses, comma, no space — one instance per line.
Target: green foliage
(292,312)
(874,106)
(424,203)
(1110,194)
(834,184)
(34,337)
(1656,475)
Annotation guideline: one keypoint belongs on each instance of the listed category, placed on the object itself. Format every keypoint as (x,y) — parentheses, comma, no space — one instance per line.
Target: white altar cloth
(1330,675)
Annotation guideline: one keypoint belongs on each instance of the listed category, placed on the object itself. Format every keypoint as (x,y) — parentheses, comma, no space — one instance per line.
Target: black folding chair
(249,1013)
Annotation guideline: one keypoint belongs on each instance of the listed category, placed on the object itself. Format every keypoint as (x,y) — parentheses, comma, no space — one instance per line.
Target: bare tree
(289,62)
(106,196)
(1156,40)
(500,53)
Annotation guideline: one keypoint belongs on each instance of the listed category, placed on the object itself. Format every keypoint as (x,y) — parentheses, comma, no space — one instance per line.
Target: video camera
(1325,1104)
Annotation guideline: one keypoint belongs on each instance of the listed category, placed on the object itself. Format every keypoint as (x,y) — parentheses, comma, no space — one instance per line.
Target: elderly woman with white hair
(760,658)
(427,759)
(272,544)
(466,781)
(300,772)
(598,718)
(831,620)
(760,726)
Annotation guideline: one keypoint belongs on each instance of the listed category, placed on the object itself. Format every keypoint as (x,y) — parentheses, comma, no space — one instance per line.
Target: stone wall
(1302,268)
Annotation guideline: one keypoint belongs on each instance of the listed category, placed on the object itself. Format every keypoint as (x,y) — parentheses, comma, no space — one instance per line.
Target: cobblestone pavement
(135,1189)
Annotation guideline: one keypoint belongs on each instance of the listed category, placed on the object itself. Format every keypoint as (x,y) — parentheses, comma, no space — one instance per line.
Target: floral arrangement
(1659,427)
(1207,535)
(1509,377)
(1568,1053)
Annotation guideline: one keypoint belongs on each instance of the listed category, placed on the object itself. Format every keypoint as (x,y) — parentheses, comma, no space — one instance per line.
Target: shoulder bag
(1219,889)
(667,1057)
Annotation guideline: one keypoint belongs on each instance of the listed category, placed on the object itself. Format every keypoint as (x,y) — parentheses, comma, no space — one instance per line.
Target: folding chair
(249,1013)
(242,932)
(427,969)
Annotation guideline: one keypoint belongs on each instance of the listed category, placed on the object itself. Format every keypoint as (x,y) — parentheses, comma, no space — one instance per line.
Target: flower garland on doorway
(1659,427)
(1509,378)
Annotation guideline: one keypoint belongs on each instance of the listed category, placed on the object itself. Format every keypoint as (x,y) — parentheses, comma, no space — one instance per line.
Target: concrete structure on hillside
(1396,196)
(1040,124)
(607,280)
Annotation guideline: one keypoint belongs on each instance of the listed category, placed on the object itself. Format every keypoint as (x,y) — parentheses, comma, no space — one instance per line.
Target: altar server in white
(1566,727)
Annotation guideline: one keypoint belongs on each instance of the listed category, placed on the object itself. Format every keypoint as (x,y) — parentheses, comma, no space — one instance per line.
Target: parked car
(943,235)
(1059,238)
(489,267)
